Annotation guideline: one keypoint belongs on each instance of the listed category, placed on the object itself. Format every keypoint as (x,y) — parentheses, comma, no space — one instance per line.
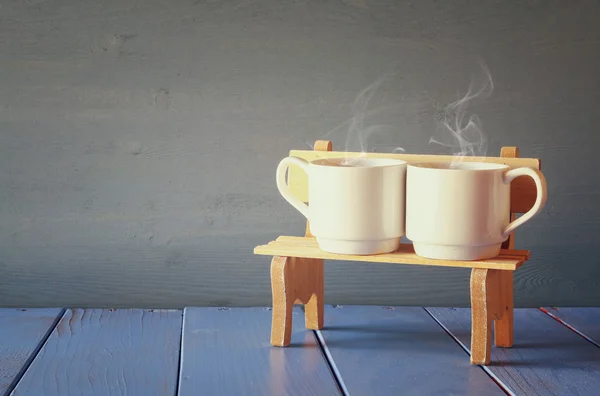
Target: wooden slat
(22,333)
(585,321)
(547,358)
(108,352)
(523,191)
(227,352)
(399,351)
(307,247)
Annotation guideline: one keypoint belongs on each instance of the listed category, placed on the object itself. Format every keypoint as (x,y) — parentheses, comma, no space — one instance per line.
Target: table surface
(362,350)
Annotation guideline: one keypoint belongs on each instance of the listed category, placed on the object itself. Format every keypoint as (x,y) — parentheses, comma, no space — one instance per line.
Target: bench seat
(293,246)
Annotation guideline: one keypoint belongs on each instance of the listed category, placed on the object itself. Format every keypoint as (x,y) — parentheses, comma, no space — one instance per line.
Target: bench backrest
(523,191)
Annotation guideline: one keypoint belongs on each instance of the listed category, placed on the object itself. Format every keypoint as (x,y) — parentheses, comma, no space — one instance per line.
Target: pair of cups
(452,211)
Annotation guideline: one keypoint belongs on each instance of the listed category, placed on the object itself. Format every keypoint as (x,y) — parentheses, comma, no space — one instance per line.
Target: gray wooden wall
(139,139)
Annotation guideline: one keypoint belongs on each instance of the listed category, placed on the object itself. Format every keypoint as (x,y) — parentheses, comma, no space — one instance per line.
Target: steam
(358,130)
(455,127)
(357,127)
(469,136)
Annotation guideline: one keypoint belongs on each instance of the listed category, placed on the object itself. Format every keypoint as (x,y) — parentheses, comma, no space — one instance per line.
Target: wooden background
(139,139)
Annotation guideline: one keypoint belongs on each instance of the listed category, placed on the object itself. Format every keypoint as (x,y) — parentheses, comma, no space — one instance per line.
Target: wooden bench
(297,267)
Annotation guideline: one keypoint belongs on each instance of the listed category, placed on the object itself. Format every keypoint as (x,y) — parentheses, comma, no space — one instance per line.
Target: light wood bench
(297,267)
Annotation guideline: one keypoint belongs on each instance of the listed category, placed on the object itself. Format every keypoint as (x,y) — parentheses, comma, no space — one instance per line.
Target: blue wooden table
(226,351)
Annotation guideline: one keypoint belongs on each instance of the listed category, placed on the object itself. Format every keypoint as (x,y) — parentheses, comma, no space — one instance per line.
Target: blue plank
(108,352)
(546,358)
(399,351)
(585,321)
(227,352)
(22,332)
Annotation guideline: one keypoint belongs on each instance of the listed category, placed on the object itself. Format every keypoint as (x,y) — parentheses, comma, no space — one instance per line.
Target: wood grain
(307,247)
(227,352)
(523,190)
(547,357)
(22,333)
(102,352)
(584,320)
(139,140)
(399,351)
(182,274)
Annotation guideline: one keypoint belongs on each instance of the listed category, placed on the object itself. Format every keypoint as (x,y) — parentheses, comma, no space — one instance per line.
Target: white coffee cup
(461,211)
(356,205)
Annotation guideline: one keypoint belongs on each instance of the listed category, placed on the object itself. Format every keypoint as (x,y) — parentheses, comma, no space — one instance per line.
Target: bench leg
(491,301)
(283,301)
(296,281)
(481,321)
(311,292)
(504,326)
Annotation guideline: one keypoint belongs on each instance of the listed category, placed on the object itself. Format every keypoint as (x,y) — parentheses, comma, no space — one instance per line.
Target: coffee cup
(355,205)
(461,211)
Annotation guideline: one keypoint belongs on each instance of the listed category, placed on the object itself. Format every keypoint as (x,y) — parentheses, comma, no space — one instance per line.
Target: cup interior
(357,162)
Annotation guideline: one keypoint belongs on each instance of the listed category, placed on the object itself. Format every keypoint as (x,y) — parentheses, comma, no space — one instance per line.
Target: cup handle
(283,187)
(540,199)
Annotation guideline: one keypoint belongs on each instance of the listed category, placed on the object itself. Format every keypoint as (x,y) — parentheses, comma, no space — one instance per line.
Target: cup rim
(461,166)
(334,162)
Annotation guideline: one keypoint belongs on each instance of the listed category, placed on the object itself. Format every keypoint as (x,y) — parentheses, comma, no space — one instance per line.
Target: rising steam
(358,131)
(455,127)
(468,135)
